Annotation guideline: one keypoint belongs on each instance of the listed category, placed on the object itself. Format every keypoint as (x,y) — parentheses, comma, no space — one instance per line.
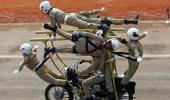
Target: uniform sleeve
(22,63)
(64,34)
(118,21)
(52,19)
(53,22)
(142,36)
(90,35)
(122,40)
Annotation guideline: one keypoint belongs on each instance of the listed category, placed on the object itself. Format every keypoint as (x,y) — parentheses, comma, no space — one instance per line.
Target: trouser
(48,76)
(79,21)
(133,66)
(108,76)
(90,12)
(89,82)
(94,67)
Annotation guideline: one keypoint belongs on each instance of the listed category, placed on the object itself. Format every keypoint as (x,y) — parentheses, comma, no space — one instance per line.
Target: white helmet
(45,6)
(25,48)
(115,44)
(133,33)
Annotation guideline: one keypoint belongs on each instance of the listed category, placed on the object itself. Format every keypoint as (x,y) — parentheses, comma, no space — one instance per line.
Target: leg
(89,82)
(133,66)
(44,74)
(92,67)
(57,76)
(91,12)
(73,20)
(50,79)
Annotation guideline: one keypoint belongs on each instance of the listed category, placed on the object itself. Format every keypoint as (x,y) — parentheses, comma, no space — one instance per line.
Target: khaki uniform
(118,21)
(80,47)
(80,44)
(135,50)
(90,12)
(73,19)
(78,20)
(43,72)
(109,73)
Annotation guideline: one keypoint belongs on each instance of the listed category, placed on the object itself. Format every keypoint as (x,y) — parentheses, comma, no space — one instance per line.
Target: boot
(68,88)
(106,21)
(130,88)
(132,21)
(50,27)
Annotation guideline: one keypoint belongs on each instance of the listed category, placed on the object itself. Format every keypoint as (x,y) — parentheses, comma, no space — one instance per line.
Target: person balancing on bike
(85,44)
(31,62)
(135,51)
(59,17)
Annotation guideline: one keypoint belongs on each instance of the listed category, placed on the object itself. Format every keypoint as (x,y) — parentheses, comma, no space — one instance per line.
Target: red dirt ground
(27,11)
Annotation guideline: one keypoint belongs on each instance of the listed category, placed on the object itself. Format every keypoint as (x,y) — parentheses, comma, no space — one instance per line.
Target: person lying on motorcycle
(59,17)
(31,62)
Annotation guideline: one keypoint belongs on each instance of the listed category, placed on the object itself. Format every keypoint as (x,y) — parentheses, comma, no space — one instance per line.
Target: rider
(57,16)
(31,61)
(85,44)
(135,51)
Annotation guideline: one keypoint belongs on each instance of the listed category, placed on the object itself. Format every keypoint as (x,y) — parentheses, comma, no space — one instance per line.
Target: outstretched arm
(143,35)
(57,30)
(20,67)
(92,12)
(90,35)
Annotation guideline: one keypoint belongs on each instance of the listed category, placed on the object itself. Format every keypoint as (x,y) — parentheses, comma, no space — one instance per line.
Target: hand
(146,33)
(52,38)
(16,71)
(99,74)
(139,59)
(99,33)
(103,9)
(36,46)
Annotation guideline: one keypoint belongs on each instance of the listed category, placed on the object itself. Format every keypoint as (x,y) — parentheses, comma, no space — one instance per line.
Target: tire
(54,92)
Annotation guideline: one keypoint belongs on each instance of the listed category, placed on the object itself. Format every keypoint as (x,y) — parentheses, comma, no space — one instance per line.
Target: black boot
(132,21)
(69,90)
(130,88)
(136,17)
(104,29)
(106,21)
(50,27)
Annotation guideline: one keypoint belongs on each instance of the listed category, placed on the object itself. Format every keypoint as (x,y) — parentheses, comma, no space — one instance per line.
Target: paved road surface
(153,76)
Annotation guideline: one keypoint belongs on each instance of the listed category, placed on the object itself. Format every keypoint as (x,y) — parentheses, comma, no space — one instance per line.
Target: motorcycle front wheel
(54,92)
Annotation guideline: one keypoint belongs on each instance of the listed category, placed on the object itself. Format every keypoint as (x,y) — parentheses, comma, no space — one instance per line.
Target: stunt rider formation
(95,38)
